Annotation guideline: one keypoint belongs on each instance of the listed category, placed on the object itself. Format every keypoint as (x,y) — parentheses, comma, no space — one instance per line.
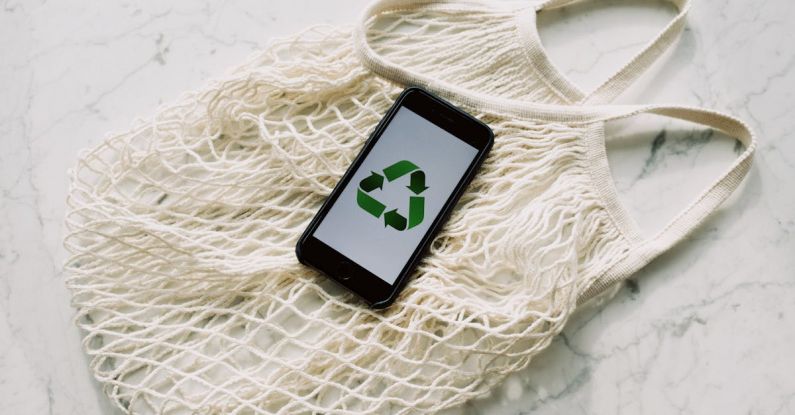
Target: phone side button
(344,270)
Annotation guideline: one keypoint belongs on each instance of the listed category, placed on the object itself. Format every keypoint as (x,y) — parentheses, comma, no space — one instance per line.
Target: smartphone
(376,224)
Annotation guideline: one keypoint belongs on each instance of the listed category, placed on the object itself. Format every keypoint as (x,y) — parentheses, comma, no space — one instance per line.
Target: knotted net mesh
(183,272)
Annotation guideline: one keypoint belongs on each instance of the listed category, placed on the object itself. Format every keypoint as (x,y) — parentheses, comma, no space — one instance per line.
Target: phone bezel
(346,272)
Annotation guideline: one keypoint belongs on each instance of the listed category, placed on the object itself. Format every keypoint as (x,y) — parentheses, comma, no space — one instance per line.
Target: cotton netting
(182,234)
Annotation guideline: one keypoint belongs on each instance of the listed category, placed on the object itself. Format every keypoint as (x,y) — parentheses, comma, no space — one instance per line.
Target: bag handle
(632,70)
(604,93)
(697,212)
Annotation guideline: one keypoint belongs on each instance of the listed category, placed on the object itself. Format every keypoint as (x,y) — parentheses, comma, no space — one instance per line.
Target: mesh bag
(182,232)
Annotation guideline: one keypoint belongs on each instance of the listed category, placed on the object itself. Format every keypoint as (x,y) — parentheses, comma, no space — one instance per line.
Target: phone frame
(368,286)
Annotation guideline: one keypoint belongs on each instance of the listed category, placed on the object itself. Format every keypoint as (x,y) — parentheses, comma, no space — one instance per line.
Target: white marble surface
(708,328)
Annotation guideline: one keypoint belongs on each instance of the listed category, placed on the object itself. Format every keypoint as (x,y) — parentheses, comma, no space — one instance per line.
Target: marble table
(707,328)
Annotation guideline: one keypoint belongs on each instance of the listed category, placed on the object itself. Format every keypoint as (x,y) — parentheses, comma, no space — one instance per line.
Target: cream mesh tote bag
(182,229)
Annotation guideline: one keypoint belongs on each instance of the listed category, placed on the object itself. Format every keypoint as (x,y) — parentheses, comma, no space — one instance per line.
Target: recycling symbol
(392,217)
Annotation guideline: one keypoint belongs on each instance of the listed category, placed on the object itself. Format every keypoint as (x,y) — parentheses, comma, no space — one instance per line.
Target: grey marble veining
(707,328)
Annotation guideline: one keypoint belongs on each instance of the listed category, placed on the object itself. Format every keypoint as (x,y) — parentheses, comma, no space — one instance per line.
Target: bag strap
(632,70)
(604,93)
(697,212)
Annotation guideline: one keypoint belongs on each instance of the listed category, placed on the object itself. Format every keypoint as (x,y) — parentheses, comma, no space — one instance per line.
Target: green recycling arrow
(369,204)
(395,220)
(372,182)
(393,172)
(399,169)
(416,210)
(417,182)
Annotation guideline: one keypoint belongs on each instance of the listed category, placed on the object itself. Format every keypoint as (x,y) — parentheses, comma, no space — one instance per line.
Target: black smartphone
(374,227)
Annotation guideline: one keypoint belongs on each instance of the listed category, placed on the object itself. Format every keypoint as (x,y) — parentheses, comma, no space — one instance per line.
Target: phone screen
(395,195)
